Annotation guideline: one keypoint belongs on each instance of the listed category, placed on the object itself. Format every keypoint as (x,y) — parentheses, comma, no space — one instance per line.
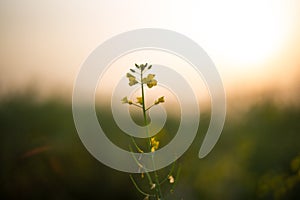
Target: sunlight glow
(239,31)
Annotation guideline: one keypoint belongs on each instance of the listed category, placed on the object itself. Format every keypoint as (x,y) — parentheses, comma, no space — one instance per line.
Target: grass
(42,157)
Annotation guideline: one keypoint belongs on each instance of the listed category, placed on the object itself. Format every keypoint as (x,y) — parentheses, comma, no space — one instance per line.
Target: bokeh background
(254,44)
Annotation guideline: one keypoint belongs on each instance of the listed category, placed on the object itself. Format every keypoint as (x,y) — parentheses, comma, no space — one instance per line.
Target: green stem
(150,107)
(136,145)
(137,187)
(145,123)
(136,105)
(176,177)
(169,174)
(141,166)
(144,111)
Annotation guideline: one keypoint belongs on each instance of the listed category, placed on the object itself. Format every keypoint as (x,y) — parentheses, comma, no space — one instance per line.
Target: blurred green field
(41,156)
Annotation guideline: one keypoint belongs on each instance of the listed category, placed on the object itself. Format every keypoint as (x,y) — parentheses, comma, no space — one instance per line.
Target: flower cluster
(148,80)
(154,144)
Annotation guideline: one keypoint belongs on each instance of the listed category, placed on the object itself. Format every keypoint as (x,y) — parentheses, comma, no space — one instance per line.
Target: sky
(254,44)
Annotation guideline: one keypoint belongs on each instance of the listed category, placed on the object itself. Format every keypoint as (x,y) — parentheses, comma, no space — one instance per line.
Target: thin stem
(150,107)
(169,174)
(136,105)
(136,145)
(158,184)
(143,98)
(137,187)
(144,110)
(177,177)
(141,166)
(145,123)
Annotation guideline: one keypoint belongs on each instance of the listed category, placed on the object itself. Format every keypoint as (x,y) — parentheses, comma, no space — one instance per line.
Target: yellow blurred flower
(159,100)
(171,179)
(125,100)
(153,186)
(150,81)
(154,144)
(128,75)
(139,100)
(132,79)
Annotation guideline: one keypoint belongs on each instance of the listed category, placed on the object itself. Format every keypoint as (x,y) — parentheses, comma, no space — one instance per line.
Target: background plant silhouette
(42,156)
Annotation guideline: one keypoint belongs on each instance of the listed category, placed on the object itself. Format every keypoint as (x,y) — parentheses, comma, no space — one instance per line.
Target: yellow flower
(132,79)
(139,100)
(150,81)
(159,100)
(154,144)
(125,100)
(128,75)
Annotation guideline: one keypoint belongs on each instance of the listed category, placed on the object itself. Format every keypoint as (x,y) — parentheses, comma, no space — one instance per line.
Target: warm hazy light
(251,42)
(45,43)
(242,32)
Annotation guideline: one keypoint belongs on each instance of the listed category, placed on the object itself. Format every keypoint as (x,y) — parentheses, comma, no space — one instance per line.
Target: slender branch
(144,111)
(136,146)
(177,177)
(170,173)
(141,166)
(150,107)
(158,189)
(136,105)
(137,187)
